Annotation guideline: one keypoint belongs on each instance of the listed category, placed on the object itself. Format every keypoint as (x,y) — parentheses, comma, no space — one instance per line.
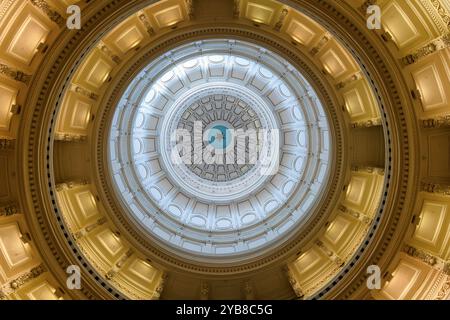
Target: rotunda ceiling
(270,150)
(220,136)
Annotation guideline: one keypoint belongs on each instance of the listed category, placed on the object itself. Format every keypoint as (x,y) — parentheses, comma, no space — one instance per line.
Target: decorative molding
(322,42)
(294,283)
(249,292)
(432,12)
(69,137)
(9,210)
(7,143)
(386,36)
(119,264)
(4,6)
(281,19)
(330,253)
(439,122)
(421,255)
(236,9)
(442,12)
(26,277)
(428,258)
(86,230)
(190,9)
(71,184)
(432,47)
(143,18)
(14,74)
(444,291)
(104,48)
(367,124)
(353,78)
(435,188)
(16,108)
(358,215)
(160,287)
(49,11)
(204,291)
(85,92)
(434,289)
(366,169)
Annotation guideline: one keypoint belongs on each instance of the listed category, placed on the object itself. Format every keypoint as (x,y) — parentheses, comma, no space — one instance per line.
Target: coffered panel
(27,39)
(103,247)
(364,192)
(359,101)
(432,79)
(80,207)
(411,280)
(302,29)
(42,287)
(128,35)
(336,62)
(261,11)
(15,255)
(433,230)
(140,277)
(166,13)
(311,267)
(405,21)
(95,71)
(22,36)
(75,114)
(7,100)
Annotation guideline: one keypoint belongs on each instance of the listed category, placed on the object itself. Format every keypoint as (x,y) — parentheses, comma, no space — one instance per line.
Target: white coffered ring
(227,191)
(179,217)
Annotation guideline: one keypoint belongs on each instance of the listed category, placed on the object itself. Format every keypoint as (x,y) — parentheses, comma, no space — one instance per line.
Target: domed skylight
(219,148)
